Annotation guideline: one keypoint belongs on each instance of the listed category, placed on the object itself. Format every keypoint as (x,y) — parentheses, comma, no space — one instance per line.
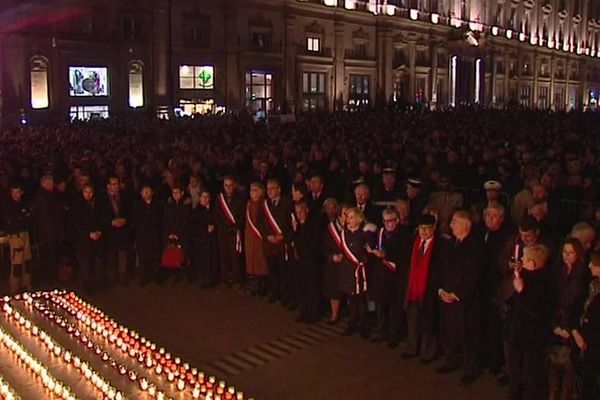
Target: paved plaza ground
(260,349)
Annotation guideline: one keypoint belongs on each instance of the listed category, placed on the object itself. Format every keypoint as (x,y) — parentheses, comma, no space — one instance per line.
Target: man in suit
(419,290)
(116,208)
(316,195)
(382,277)
(459,297)
(147,218)
(229,218)
(306,262)
(275,225)
(362,199)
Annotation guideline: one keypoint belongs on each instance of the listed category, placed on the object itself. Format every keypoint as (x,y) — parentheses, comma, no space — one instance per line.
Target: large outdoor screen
(88,81)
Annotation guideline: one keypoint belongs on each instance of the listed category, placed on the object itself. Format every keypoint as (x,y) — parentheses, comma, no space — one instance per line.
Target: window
(197,34)
(132,28)
(526,95)
(313,44)
(360,50)
(313,90)
(261,41)
(136,84)
(559,98)
(86,113)
(259,90)
(543,100)
(359,90)
(196,77)
(39,83)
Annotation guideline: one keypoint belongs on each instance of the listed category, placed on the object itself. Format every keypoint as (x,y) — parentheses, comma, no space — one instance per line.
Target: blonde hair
(537,253)
(358,213)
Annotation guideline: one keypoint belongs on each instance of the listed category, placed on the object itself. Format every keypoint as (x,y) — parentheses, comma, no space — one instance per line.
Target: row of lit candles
(140,349)
(56,350)
(39,370)
(144,384)
(6,391)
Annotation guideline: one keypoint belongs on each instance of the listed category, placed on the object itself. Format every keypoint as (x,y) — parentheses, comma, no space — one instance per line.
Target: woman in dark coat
(203,241)
(587,334)
(352,272)
(570,281)
(336,219)
(147,219)
(176,219)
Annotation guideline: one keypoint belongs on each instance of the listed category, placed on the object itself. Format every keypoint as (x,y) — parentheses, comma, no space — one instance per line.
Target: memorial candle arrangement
(103,341)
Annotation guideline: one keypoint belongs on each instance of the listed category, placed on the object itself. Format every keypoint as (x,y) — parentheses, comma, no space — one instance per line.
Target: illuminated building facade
(94,58)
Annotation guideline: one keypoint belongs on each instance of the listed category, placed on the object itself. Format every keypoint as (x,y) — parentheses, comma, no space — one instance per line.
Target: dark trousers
(389,320)
(419,342)
(116,262)
(306,285)
(148,259)
(459,336)
(202,259)
(525,367)
(494,343)
(229,259)
(279,277)
(93,271)
(357,308)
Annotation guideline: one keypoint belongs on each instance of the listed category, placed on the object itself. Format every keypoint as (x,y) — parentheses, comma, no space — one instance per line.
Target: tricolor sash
(388,264)
(334,234)
(271,219)
(274,225)
(360,274)
(227,211)
(253,227)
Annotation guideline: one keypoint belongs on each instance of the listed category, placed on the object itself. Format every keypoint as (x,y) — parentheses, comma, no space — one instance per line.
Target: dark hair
(577,246)
(595,258)
(300,187)
(528,224)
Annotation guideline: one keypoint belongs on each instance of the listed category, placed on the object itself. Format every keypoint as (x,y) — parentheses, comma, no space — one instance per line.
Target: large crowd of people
(471,233)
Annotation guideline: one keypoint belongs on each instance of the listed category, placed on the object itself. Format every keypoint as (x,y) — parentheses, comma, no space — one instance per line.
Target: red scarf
(419,270)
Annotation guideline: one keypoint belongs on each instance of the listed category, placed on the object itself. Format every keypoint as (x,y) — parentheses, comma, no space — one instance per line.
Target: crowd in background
(472,232)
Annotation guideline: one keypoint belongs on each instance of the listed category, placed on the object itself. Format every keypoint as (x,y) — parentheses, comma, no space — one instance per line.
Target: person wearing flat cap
(415,195)
(418,284)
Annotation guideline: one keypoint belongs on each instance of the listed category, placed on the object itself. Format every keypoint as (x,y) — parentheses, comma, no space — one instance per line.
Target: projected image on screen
(88,81)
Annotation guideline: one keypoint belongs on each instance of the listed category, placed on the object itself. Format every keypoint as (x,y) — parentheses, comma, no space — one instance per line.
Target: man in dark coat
(228,212)
(116,207)
(388,191)
(386,251)
(49,226)
(419,291)
(495,234)
(275,225)
(306,264)
(459,296)
(15,219)
(147,219)
(317,194)
(89,230)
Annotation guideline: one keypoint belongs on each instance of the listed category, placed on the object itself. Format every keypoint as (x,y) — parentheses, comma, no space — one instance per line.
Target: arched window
(136,84)
(38,69)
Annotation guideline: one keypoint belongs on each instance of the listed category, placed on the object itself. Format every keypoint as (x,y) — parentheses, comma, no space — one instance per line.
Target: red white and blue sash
(251,225)
(360,274)
(227,211)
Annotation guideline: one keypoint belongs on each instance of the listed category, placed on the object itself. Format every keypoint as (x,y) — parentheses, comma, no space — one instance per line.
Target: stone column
(161,53)
(289,64)
(384,54)
(412,62)
(432,95)
(340,94)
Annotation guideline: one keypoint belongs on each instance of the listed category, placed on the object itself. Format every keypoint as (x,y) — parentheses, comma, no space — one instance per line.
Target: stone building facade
(86,58)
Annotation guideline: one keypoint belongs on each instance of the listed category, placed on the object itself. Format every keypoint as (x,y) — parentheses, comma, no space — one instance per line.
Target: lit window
(39,83)
(196,77)
(136,84)
(313,44)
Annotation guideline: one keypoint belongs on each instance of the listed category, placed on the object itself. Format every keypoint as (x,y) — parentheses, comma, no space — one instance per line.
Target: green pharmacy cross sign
(206,78)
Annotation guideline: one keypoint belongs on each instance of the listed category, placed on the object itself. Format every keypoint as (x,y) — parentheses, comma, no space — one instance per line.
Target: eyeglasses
(390,220)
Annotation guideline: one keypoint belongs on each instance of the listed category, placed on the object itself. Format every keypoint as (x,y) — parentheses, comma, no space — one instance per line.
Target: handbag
(172,256)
